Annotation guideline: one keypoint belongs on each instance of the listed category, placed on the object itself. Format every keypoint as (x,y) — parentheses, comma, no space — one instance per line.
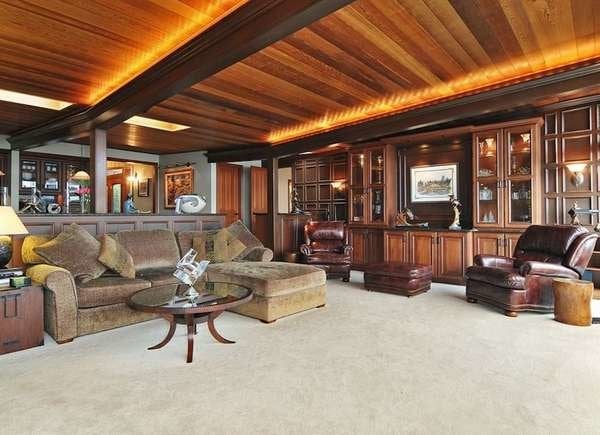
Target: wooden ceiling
(366,60)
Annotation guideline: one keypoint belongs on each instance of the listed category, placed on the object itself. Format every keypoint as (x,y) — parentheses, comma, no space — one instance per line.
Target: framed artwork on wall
(144,187)
(178,182)
(433,183)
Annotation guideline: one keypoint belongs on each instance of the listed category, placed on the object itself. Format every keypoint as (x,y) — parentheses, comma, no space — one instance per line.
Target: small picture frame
(144,187)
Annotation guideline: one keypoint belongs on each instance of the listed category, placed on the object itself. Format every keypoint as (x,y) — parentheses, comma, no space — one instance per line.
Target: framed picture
(178,182)
(433,183)
(144,187)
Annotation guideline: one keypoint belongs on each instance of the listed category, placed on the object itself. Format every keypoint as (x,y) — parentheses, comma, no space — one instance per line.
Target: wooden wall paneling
(292,231)
(259,207)
(229,186)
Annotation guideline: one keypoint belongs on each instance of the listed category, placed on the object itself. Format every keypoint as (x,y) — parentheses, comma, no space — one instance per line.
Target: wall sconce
(338,185)
(577,171)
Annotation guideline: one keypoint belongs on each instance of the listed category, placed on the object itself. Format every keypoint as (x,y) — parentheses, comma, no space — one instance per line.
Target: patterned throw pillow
(244,236)
(114,256)
(227,244)
(75,250)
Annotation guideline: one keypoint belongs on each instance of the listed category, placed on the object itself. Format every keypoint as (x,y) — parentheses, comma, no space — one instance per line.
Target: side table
(21,318)
(572,301)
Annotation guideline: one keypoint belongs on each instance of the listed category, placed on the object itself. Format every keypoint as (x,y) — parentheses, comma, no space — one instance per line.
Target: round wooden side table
(573,301)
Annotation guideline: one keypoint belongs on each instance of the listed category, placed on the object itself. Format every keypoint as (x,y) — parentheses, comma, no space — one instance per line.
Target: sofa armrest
(493,261)
(260,253)
(305,249)
(60,300)
(547,269)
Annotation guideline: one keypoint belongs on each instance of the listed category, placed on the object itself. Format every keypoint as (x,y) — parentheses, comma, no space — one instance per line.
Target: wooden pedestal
(572,301)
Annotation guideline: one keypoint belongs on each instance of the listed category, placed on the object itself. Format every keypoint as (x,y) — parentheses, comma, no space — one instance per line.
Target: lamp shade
(80,175)
(10,223)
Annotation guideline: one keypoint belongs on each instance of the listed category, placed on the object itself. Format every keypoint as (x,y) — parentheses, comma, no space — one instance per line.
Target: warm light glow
(32,100)
(337,185)
(155,123)
(513,71)
(80,176)
(10,224)
(174,38)
(576,167)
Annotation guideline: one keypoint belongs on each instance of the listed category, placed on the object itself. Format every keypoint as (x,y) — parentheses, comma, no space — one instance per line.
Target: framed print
(433,183)
(144,187)
(178,182)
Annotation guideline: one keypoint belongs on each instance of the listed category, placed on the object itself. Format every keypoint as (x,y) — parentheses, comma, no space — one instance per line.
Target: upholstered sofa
(73,308)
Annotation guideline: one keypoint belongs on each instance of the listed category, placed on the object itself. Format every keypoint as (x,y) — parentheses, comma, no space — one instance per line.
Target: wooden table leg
(172,327)
(213,331)
(190,336)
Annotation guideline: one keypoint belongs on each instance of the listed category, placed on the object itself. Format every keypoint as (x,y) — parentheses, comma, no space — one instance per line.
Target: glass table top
(173,297)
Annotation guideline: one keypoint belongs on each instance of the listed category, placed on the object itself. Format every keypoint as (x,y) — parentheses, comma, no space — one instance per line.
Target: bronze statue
(404,217)
(455,204)
(296,203)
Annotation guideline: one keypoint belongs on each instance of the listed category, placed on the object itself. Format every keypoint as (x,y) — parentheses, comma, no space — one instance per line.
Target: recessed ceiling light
(32,100)
(142,121)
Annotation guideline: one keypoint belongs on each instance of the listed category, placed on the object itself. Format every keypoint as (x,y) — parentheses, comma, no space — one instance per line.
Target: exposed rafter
(247,30)
(507,98)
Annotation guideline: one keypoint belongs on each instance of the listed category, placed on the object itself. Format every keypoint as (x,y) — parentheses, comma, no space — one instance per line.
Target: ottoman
(406,279)
(280,289)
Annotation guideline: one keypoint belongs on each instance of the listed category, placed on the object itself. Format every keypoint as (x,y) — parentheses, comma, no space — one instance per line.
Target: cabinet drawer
(21,319)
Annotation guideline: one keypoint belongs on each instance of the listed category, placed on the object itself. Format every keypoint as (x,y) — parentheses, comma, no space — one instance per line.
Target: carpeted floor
(367,363)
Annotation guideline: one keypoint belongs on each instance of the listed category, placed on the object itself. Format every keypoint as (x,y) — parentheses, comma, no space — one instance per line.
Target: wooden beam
(248,29)
(471,106)
(98,170)
(272,202)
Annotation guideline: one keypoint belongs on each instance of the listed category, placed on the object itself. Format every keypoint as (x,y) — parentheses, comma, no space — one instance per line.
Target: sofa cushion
(75,250)
(152,249)
(28,254)
(268,279)
(501,277)
(159,276)
(108,290)
(114,256)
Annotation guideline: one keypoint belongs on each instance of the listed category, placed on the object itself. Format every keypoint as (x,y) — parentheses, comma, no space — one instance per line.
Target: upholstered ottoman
(280,289)
(406,279)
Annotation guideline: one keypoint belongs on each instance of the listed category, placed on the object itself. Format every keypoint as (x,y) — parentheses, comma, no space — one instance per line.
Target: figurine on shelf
(455,204)
(573,214)
(296,203)
(129,206)
(34,203)
(403,218)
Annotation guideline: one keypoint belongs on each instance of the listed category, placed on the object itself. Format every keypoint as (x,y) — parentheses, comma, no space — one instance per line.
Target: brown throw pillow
(243,237)
(75,250)
(217,246)
(114,256)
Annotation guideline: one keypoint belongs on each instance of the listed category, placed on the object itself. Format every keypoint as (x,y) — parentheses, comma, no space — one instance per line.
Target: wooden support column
(273,222)
(98,170)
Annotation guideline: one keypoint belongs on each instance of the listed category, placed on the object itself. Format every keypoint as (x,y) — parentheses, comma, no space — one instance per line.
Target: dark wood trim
(511,97)
(250,28)
(272,200)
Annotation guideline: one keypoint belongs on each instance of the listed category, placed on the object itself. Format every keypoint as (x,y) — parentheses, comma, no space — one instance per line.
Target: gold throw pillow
(114,256)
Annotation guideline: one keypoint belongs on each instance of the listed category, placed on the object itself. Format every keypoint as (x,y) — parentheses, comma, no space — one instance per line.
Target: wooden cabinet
(495,243)
(367,246)
(21,318)
(372,187)
(507,175)
(448,253)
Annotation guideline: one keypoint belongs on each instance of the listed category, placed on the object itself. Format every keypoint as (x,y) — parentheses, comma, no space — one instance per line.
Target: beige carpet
(368,363)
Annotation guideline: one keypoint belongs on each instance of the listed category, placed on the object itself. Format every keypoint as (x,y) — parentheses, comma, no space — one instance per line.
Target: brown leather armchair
(524,282)
(326,246)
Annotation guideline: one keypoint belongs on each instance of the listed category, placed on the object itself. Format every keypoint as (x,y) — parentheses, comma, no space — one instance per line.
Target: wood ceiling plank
(522,29)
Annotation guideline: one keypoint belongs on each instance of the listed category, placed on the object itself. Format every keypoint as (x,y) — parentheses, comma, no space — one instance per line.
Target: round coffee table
(169,302)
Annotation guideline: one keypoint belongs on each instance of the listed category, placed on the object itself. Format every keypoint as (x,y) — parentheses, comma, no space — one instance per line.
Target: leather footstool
(406,279)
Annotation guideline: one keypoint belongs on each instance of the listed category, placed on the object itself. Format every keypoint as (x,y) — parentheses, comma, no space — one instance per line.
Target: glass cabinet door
(29,174)
(519,152)
(488,172)
(50,176)
(358,197)
(377,165)
(377,205)
(519,202)
(488,199)
(488,159)
(357,169)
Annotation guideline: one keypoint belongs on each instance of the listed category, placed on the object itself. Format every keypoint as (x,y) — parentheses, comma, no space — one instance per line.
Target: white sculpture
(188,271)
(189,204)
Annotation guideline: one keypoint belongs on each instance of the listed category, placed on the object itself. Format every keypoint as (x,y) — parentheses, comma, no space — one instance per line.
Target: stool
(573,301)
(406,279)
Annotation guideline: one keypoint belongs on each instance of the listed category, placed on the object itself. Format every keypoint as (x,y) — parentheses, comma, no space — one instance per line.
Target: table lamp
(10,225)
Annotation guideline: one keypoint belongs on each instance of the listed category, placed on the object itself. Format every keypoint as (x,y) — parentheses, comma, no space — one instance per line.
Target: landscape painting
(433,183)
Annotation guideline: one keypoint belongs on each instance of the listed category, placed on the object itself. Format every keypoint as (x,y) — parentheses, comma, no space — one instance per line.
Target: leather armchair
(523,282)
(326,246)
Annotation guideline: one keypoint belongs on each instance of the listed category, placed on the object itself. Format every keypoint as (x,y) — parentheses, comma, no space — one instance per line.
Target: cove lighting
(32,100)
(155,123)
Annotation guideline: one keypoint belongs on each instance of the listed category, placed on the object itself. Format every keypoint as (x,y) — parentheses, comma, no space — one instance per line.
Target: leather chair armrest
(493,261)
(547,269)
(346,250)
(60,300)
(305,249)
(260,253)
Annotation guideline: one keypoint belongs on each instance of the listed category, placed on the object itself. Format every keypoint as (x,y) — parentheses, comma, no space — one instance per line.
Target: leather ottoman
(406,279)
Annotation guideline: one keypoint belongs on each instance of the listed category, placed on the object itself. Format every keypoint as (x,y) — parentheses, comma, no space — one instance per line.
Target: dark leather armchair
(326,246)
(524,282)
